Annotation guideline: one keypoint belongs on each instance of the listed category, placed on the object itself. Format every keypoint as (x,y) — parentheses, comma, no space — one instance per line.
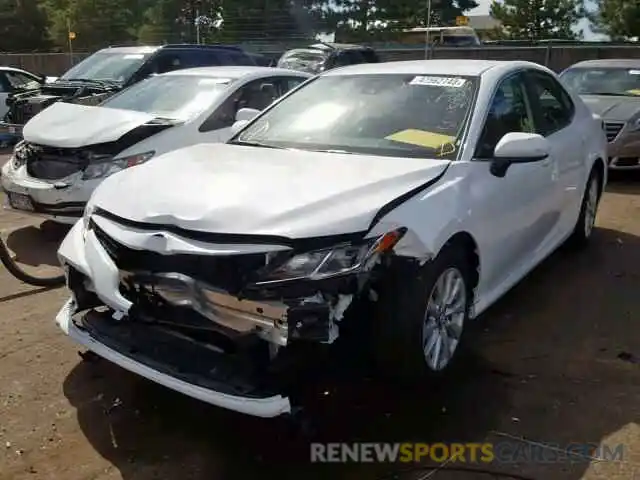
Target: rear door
(555,115)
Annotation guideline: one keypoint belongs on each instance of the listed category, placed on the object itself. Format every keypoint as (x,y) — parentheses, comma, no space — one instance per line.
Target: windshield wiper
(255,144)
(165,121)
(93,80)
(610,94)
(329,150)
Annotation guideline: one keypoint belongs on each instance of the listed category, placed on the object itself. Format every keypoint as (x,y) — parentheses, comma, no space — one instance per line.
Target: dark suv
(325,56)
(108,71)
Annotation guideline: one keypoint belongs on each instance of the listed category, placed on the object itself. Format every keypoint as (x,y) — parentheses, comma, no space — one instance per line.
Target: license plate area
(20,201)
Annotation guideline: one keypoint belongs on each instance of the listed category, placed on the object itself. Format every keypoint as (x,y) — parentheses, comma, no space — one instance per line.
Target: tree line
(44,25)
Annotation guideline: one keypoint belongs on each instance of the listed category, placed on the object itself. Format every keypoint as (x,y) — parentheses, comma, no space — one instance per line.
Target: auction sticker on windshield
(439,81)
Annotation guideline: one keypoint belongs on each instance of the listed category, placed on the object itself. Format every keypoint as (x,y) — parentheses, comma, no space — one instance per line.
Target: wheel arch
(600,167)
(467,243)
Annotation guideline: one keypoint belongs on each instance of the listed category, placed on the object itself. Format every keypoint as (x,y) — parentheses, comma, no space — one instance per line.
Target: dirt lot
(558,360)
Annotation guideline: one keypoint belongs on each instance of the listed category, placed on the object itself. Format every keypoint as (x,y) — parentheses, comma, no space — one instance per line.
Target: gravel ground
(557,360)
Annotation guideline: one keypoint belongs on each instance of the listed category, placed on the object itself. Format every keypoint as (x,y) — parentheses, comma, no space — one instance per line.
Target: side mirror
(238,125)
(518,147)
(246,114)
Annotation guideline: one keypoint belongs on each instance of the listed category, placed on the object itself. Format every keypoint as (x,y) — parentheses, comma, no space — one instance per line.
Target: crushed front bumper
(109,347)
(132,337)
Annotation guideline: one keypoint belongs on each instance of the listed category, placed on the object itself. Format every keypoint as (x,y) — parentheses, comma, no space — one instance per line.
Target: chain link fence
(556,57)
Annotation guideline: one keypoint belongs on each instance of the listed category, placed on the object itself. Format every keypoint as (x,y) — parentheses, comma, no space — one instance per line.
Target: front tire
(588,211)
(420,320)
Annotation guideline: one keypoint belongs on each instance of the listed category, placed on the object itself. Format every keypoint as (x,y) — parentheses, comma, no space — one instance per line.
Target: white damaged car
(428,188)
(68,149)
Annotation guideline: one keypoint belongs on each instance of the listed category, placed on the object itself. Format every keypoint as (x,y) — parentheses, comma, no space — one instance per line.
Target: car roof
(154,48)
(131,50)
(434,67)
(338,46)
(13,69)
(609,62)
(236,72)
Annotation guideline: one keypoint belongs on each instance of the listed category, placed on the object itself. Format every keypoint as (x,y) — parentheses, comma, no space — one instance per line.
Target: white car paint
(68,126)
(311,205)
(275,195)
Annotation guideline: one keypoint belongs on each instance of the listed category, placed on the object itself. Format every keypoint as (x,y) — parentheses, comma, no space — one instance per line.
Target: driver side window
(509,111)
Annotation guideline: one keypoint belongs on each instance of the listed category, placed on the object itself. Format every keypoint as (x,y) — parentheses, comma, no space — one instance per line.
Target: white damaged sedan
(428,188)
(68,149)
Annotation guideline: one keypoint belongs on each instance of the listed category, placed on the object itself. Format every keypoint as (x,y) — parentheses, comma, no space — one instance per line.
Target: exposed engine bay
(25,104)
(55,163)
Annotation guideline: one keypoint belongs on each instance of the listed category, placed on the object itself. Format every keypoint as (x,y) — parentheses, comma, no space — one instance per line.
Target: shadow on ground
(547,358)
(37,245)
(624,182)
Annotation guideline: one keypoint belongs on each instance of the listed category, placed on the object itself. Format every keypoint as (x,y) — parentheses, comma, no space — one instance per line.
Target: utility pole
(70,35)
(198,26)
(426,33)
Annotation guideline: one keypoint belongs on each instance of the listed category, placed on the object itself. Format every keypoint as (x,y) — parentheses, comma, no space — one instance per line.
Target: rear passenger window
(553,103)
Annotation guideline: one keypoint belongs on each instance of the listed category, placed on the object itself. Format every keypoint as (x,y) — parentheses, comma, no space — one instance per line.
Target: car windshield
(603,81)
(174,97)
(107,66)
(305,60)
(395,115)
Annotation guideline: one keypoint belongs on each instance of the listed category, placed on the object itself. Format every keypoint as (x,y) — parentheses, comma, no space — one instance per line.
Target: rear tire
(588,210)
(420,320)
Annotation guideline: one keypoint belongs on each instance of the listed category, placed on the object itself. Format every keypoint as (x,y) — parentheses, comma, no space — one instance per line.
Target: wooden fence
(555,57)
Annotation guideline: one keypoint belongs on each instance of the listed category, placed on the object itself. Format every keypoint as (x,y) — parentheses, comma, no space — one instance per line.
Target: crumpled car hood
(613,108)
(68,125)
(221,188)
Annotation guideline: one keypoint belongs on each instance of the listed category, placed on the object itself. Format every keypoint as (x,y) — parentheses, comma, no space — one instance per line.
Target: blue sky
(483,9)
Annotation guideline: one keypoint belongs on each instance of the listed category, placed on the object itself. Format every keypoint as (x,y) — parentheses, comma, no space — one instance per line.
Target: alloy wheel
(590,207)
(444,319)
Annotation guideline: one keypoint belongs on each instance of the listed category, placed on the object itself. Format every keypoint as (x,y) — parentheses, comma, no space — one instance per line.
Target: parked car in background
(325,56)
(263,60)
(68,149)
(428,187)
(12,81)
(110,70)
(611,88)
(460,36)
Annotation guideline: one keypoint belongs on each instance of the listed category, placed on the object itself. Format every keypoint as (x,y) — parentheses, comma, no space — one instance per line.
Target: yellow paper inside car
(422,138)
